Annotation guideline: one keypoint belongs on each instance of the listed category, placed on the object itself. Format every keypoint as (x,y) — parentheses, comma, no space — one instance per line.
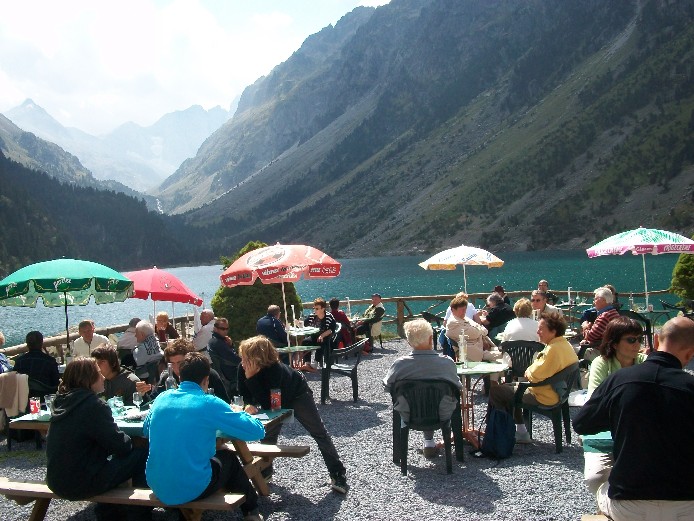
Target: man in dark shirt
(41,367)
(648,409)
(223,354)
(498,314)
(271,327)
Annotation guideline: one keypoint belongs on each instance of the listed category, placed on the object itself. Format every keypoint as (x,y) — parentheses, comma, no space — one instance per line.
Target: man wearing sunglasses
(539,302)
(224,358)
(648,409)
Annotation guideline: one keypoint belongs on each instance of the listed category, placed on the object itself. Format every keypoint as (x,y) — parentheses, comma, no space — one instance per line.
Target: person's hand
(236,408)
(250,368)
(228,340)
(143,387)
(251,409)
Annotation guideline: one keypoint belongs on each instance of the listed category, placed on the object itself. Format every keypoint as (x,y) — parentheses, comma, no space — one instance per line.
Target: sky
(96,65)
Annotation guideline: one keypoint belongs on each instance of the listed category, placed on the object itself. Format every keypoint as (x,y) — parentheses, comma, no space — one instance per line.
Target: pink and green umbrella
(640,242)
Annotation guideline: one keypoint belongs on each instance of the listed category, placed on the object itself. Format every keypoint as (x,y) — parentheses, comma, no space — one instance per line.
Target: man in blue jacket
(271,327)
(181,473)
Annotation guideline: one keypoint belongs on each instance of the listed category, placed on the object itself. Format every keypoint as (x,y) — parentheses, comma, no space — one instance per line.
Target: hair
(194,368)
(458,302)
(495,298)
(223,322)
(2,339)
(273,309)
(320,302)
(555,322)
(81,373)
(535,292)
(84,324)
(133,322)
(615,330)
(418,332)
(162,315)
(604,293)
(678,332)
(613,290)
(145,327)
(523,308)
(543,281)
(34,340)
(180,346)
(260,350)
(334,303)
(109,354)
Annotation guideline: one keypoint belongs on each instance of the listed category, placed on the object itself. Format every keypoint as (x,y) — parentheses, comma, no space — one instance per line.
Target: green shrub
(683,277)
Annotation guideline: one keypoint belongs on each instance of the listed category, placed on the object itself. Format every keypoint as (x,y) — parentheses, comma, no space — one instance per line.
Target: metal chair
(562,383)
(423,398)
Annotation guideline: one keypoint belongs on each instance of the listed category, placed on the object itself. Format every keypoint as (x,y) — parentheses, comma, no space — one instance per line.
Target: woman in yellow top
(558,355)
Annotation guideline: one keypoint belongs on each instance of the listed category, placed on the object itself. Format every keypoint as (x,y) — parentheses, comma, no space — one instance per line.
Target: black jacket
(256,390)
(648,408)
(82,435)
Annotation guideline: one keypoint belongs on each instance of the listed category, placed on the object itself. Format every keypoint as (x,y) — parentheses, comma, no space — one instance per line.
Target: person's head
(677,338)
(543,285)
(494,300)
(602,298)
(550,326)
(206,316)
(499,290)
(221,326)
(538,299)
(459,306)
(419,334)
(106,358)
(176,352)
(319,306)
(334,303)
(522,308)
(613,290)
(34,340)
(82,373)
(2,339)
(162,320)
(133,322)
(273,310)
(143,329)
(195,368)
(622,337)
(258,351)
(376,299)
(86,330)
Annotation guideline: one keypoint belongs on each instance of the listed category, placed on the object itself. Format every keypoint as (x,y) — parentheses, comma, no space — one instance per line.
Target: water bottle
(631,302)
(170,380)
(462,350)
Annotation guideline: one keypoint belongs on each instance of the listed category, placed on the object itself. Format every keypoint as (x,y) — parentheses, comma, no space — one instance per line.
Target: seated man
(498,313)
(370,323)
(423,363)
(538,300)
(147,350)
(543,286)
(119,381)
(592,332)
(475,334)
(558,355)
(127,342)
(88,339)
(186,419)
(224,358)
(638,405)
(174,355)
(271,327)
(41,367)
(203,330)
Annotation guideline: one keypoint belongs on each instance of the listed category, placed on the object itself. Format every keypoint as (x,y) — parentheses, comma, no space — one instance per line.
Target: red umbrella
(279,264)
(160,285)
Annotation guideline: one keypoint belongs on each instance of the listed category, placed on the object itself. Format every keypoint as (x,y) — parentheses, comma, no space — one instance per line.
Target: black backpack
(499,434)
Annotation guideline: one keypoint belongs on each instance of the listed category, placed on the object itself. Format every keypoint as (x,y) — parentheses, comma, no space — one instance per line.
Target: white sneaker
(523,437)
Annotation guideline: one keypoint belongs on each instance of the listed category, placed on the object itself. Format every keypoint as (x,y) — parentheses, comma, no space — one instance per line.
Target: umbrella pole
(465,278)
(286,320)
(645,279)
(67,329)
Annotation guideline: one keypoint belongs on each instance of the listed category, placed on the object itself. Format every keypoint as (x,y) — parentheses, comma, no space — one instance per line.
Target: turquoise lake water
(390,276)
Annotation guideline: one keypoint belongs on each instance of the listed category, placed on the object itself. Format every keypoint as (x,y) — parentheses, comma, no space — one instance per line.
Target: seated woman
(346,335)
(326,324)
(522,327)
(41,367)
(119,381)
(147,351)
(164,329)
(620,347)
(86,453)
(260,372)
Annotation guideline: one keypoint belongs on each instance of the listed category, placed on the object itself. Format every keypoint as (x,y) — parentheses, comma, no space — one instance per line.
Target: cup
(238,400)
(34,406)
(275,399)
(536,314)
(49,398)
(210,390)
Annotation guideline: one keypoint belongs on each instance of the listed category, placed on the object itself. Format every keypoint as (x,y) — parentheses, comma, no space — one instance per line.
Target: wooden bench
(24,492)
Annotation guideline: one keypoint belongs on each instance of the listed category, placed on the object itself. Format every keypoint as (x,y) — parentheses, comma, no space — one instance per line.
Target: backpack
(500,434)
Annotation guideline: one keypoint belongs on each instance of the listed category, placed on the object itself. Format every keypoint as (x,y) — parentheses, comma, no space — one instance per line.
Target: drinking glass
(238,400)
(137,399)
(210,390)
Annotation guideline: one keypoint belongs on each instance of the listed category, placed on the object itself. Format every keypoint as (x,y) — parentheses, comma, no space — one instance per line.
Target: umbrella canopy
(279,264)
(462,256)
(160,285)
(64,282)
(641,241)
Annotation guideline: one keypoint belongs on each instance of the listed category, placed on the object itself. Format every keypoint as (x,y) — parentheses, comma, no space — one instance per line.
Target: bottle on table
(275,399)
(462,350)
(170,380)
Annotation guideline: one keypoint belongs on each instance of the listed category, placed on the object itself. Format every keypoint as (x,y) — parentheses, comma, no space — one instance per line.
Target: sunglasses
(633,339)
(536,300)
(222,328)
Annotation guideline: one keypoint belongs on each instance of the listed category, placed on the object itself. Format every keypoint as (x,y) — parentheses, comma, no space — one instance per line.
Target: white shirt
(203,336)
(81,348)
(521,329)
(127,339)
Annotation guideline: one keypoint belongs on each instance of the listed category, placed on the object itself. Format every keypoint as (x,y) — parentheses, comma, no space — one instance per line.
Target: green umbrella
(64,282)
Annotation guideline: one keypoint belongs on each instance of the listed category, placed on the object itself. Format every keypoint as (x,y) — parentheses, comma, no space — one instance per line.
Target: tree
(683,277)
(244,305)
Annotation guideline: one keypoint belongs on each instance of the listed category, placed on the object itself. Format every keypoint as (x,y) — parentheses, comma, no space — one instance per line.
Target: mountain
(136,156)
(428,123)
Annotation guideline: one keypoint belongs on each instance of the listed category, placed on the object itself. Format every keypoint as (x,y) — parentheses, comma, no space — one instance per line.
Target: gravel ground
(535,483)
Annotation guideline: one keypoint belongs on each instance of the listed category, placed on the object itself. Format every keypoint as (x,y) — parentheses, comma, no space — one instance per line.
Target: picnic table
(294,351)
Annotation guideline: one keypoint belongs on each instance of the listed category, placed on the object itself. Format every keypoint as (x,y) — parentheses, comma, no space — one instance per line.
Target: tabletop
(296,349)
(480,368)
(303,331)
(601,442)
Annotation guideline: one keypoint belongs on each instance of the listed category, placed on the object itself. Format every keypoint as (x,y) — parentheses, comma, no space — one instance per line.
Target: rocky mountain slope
(427,123)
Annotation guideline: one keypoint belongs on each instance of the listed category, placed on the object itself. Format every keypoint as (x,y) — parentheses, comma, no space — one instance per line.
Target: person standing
(188,419)
(88,339)
(648,409)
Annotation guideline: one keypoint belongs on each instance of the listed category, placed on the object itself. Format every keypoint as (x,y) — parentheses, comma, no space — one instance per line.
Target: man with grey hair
(147,349)
(423,363)
(603,302)
(203,330)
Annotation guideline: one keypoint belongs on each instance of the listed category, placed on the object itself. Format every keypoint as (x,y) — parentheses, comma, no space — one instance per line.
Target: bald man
(649,409)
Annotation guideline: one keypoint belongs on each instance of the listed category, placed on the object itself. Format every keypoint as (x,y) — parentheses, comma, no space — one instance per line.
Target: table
(598,443)
(467,397)
(299,333)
